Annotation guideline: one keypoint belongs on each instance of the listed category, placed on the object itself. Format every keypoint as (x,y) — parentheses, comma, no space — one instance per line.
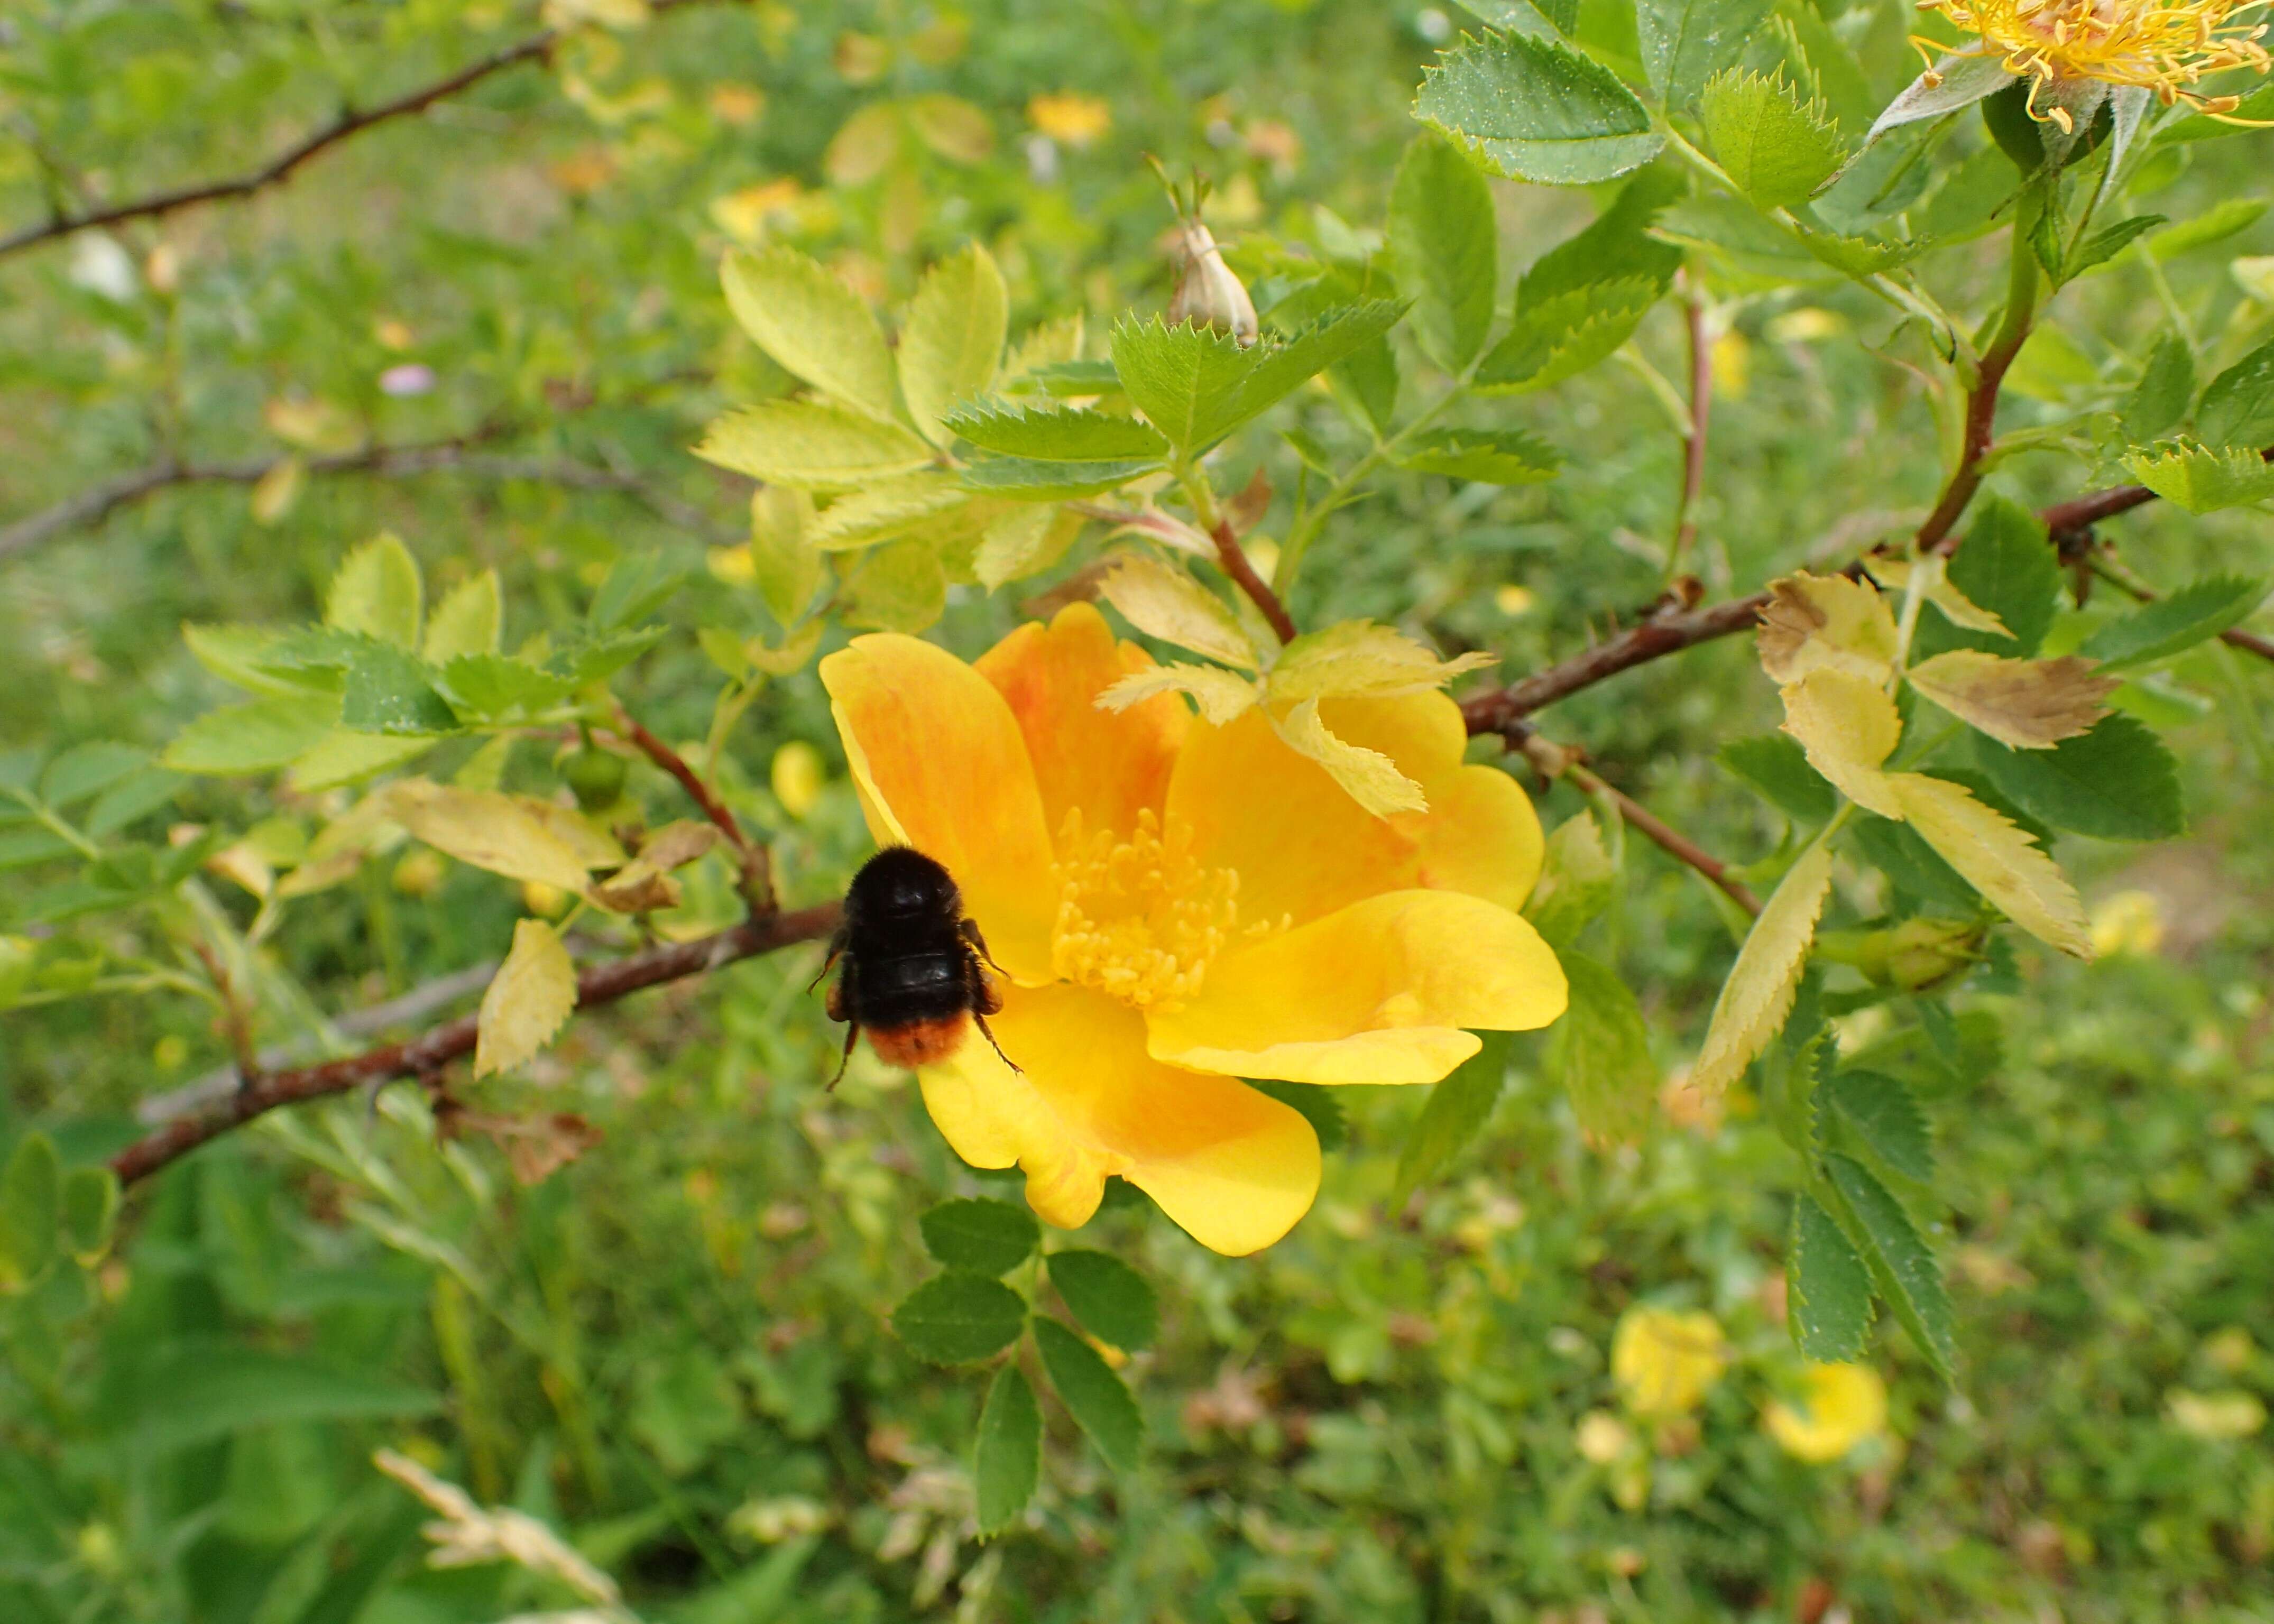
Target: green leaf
(1827,1289)
(1899,1260)
(1196,386)
(2219,221)
(783,558)
(901,586)
(1563,336)
(1616,244)
(1075,435)
(1549,18)
(491,688)
(1537,110)
(1685,42)
(1092,1394)
(1458,1107)
(887,510)
(233,653)
(377,593)
(815,326)
(21,848)
(1577,881)
(959,1317)
(470,619)
(1884,1117)
(1444,249)
(1776,147)
(133,799)
(1110,1300)
(2158,402)
(2238,408)
(344,758)
(2196,611)
(1775,766)
(988,1237)
(1019,479)
(952,340)
(2117,782)
(2006,566)
(87,770)
(1315,1103)
(90,1211)
(31,1211)
(2202,480)
(194,1392)
(1489,456)
(1007,1462)
(2104,244)
(264,736)
(811,445)
(1601,1050)
(636,585)
(1280,369)
(391,690)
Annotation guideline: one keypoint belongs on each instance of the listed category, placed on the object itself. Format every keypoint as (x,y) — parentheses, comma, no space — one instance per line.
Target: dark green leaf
(1008,1460)
(90,1209)
(1899,1261)
(959,1317)
(2198,611)
(1886,1119)
(1023,480)
(1490,456)
(2158,402)
(1444,246)
(2105,244)
(1110,1300)
(1602,1051)
(2008,566)
(1615,244)
(391,690)
(1827,1289)
(1685,42)
(1457,1108)
(1092,1393)
(1776,766)
(988,1237)
(31,1210)
(497,686)
(1317,1105)
(133,799)
(1535,109)
(1197,386)
(1074,435)
(1914,869)
(195,1392)
(2118,782)
(87,770)
(2238,407)
(1563,336)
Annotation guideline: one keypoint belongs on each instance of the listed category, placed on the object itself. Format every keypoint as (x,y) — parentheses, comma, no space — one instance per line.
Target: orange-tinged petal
(1109,764)
(1378,992)
(1303,847)
(1232,1166)
(938,761)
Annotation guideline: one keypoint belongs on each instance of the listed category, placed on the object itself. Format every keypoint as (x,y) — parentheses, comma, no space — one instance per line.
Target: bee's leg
(838,1006)
(836,947)
(852,1037)
(968,929)
(980,1021)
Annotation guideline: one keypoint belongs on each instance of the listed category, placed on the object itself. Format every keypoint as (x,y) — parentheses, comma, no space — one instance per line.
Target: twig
(1693,444)
(1497,709)
(1981,398)
(237,1022)
(427,1053)
(1233,561)
(2124,581)
(670,760)
(1557,760)
(282,166)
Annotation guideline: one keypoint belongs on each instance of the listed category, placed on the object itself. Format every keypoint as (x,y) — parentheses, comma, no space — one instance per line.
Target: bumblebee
(913,974)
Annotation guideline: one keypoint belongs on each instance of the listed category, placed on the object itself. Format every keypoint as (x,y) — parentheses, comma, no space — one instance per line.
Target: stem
(670,760)
(2022,283)
(1308,524)
(1230,559)
(1693,443)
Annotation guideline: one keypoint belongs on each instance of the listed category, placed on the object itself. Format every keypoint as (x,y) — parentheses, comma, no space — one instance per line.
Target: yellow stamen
(1140,919)
(2167,45)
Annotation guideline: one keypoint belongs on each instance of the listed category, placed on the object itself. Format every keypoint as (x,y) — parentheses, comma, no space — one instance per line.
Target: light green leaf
(1601,1049)
(391,690)
(2118,782)
(1899,1261)
(1007,1462)
(31,1211)
(952,340)
(89,1208)
(1490,456)
(2202,480)
(1537,110)
(900,587)
(470,619)
(2216,223)
(1776,147)
(265,736)
(959,1317)
(1016,544)
(1828,1288)
(1685,42)
(345,756)
(811,445)
(1092,1394)
(1577,879)
(489,688)
(233,654)
(1075,435)
(885,510)
(814,325)
(1444,248)
(988,1237)
(1110,1300)
(2238,407)
(376,592)
(1564,336)
(1757,995)
(1196,386)
(1022,479)
(1457,1109)
(2196,611)
(783,557)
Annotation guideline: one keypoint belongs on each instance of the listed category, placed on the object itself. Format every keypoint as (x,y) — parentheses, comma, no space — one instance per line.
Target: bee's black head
(901,882)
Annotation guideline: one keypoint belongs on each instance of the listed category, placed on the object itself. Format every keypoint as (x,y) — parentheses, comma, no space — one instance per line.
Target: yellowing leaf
(1812,622)
(1221,694)
(529,996)
(275,491)
(1372,778)
(1759,993)
(376,592)
(812,323)
(1957,608)
(811,445)
(1163,601)
(1998,858)
(2030,705)
(520,839)
(883,511)
(952,339)
(1849,725)
(644,886)
(468,621)
(1359,658)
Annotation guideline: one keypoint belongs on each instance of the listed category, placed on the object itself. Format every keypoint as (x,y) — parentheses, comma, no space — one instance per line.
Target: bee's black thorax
(910,965)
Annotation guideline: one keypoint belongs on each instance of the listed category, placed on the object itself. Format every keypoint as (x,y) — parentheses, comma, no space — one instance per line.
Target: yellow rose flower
(2163,46)
(1176,906)
(1839,1406)
(1664,1360)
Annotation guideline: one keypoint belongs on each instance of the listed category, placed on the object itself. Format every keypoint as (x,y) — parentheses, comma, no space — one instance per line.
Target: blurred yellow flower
(798,776)
(543,900)
(2166,46)
(1732,360)
(1177,905)
(738,105)
(746,214)
(1839,1406)
(2130,921)
(2217,1416)
(1664,1360)
(1512,600)
(1602,1437)
(1070,117)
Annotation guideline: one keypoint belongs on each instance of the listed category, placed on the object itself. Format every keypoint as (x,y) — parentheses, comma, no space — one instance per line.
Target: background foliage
(673,1346)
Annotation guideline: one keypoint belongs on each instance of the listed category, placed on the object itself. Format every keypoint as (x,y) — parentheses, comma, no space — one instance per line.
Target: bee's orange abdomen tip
(918,1043)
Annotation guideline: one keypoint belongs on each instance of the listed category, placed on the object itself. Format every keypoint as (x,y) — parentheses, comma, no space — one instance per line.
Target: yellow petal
(1303,848)
(1110,763)
(1840,1405)
(940,763)
(1233,1167)
(1378,992)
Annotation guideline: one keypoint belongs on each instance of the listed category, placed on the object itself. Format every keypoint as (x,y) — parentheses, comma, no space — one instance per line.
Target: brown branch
(1666,632)
(425,1054)
(280,167)
(1233,561)
(672,762)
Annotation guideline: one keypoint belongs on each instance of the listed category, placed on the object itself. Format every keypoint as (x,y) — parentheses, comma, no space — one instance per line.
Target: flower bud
(1922,952)
(1208,294)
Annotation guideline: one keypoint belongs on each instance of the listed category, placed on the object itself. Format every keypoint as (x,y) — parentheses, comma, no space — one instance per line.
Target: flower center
(1139,919)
